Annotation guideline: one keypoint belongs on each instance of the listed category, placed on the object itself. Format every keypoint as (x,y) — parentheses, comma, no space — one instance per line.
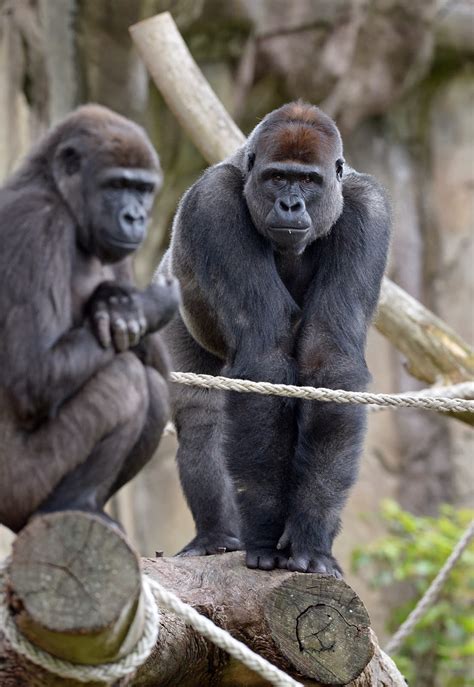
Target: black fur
(262,305)
(78,419)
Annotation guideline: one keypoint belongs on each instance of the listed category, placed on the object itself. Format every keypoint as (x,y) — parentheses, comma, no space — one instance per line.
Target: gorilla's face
(119,206)
(111,203)
(294,198)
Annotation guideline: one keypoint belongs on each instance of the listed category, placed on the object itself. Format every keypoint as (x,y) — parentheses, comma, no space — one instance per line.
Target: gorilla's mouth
(119,242)
(288,235)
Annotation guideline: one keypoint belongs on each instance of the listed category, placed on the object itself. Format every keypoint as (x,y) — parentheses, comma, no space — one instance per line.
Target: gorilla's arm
(227,271)
(344,294)
(43,358)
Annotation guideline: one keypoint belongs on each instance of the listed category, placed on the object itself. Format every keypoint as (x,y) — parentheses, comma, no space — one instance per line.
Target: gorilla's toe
(265,559)
(320,563)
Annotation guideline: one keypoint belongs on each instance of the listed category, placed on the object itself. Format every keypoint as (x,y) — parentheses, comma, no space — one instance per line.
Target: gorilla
(280,252)
(83,392)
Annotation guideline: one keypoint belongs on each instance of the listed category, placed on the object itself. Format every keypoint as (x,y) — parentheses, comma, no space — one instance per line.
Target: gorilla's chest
(88,274)
(296,273)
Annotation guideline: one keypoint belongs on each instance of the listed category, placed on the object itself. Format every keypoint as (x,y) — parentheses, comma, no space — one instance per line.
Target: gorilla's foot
(266,559)
(209,544)
(315,562)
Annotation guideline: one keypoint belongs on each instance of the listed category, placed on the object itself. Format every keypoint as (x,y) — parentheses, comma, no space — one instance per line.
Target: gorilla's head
(107,173)
(293,174)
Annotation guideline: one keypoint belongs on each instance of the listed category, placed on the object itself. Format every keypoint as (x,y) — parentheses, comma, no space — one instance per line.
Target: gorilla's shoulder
(223,176)
(218,188)
(366,194)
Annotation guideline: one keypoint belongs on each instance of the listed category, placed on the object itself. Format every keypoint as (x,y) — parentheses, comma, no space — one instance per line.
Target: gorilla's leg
(101,424)
(325,464)
(156,418)
(260,438)
(204,477)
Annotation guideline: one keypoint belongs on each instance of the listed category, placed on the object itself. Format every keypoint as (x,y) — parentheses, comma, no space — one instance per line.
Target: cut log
(434,353)
(74,587)
(314,628)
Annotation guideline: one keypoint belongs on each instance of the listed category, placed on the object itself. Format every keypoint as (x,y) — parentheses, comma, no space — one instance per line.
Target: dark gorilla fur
(280,255)
(83,396)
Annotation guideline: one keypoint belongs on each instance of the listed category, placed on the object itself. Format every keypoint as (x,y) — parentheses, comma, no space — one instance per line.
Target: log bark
(434,353)
(74,590)
(314,628)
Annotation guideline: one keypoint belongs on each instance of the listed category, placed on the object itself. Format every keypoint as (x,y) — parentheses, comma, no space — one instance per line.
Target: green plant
(440,651)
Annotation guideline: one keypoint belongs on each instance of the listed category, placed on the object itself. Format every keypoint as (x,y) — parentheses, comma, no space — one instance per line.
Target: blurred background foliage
(440,651)
(398,77)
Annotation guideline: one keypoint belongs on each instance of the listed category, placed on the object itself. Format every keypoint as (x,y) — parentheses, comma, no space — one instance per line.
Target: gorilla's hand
(117,315)
(121,314)
(160,301)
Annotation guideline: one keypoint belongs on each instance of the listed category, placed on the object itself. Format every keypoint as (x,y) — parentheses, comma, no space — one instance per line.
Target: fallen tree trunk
(314,628)
(74,590)
(434,353)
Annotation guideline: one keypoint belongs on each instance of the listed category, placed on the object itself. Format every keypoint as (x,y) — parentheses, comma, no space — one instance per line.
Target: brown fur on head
(298,132)
(293,172)
(103,137)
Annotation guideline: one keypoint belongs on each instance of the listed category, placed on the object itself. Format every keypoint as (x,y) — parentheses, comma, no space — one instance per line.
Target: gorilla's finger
(120,334)
(143,325)
(102,326)
(133,333)
(284,540)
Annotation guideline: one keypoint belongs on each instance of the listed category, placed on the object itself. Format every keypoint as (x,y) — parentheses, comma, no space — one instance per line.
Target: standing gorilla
(83,399)
(280,256)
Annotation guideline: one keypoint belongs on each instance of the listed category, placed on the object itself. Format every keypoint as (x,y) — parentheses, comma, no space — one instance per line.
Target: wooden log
(74,583)
(314,628)
(434,353)
(74,586)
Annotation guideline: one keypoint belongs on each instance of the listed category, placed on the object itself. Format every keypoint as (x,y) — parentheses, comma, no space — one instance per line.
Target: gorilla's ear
(339,168)
(68,159)
(250,161)
(67,174)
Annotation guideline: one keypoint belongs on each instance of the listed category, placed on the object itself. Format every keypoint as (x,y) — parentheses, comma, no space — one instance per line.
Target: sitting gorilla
(280,254)
(83,397)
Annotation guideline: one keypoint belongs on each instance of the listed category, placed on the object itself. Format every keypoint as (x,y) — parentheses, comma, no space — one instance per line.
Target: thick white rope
(463,390)
(310,393)
(106,672)
(221,638)
(431,594)
(111,672)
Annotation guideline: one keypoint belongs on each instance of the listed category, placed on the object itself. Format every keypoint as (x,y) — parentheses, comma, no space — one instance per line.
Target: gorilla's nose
(290,207)
(133,219)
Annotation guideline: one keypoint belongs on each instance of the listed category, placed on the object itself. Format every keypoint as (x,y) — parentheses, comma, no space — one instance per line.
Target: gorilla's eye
(277,177)
(118,183)
(307,179)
